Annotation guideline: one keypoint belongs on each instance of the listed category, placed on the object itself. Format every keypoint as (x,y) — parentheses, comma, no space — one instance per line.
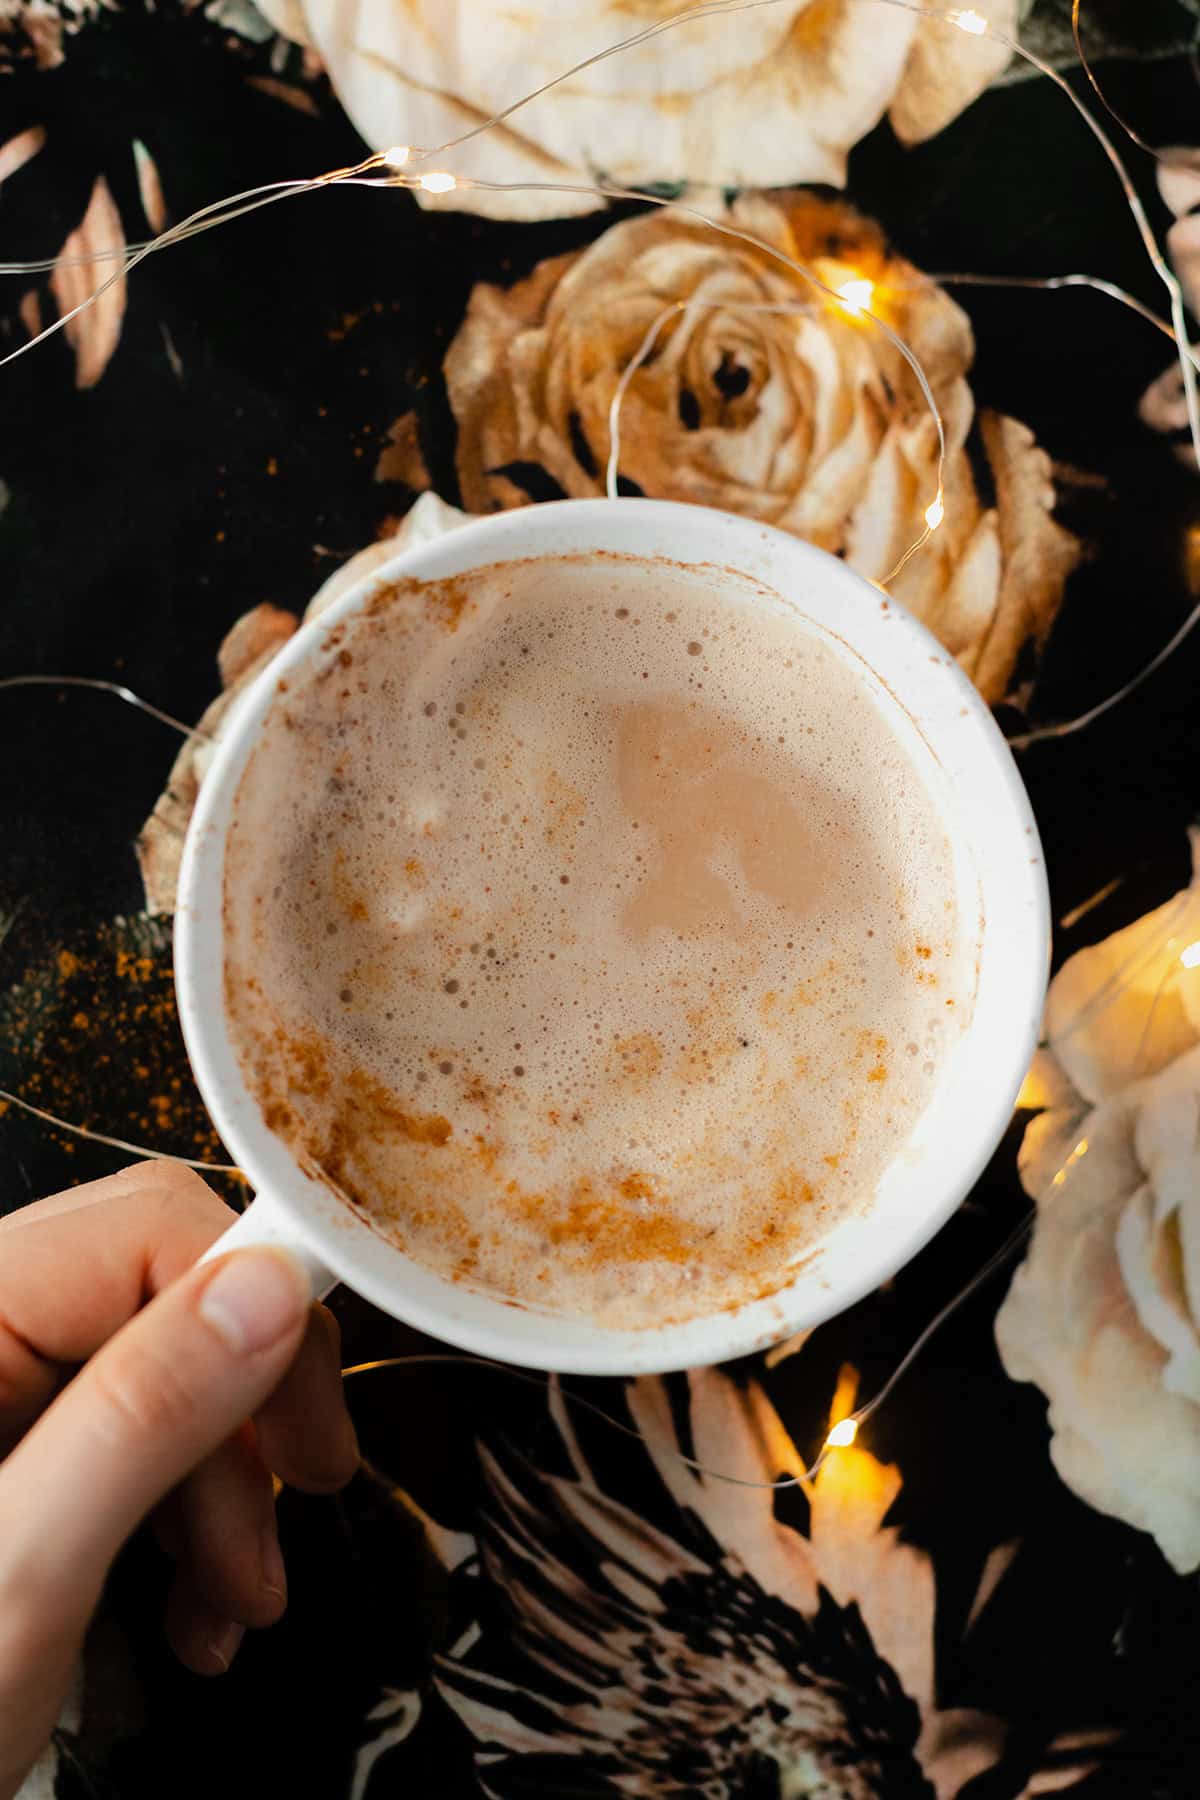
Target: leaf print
(150,188)
(714,1650)
(18,150)
(85,265)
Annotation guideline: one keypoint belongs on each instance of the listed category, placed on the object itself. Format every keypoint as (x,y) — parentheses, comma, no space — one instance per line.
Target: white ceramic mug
(999,867)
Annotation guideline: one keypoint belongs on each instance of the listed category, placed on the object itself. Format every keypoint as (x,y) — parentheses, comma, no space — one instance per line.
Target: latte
(592,926)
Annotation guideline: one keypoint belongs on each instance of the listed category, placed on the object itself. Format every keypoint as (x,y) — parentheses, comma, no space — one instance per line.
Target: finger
(221,1521)
(203,1639)
(172,1385)
(31,1693)
(228,1543)
(223,1526)
(304,1430)
(165,1393)
(88,1259)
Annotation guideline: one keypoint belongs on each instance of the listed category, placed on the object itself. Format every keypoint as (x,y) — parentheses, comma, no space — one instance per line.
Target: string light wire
(1133,201)
(644,351)
(109,687)
(225,211)
(725,229)
(1055,283)
(841,1435)
(968,21)
(114,1143)
(547,1384)
(196,222)
(1133,136)
(400,156)
(218,212)
(975,24)
(438,182)
(443,182)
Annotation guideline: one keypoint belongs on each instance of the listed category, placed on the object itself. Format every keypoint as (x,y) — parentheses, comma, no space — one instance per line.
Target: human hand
(176,1362)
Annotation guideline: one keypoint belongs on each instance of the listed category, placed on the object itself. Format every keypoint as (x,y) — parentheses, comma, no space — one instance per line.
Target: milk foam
(590,926)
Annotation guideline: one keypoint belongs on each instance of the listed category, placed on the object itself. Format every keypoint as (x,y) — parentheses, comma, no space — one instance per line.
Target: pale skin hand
(194,1385)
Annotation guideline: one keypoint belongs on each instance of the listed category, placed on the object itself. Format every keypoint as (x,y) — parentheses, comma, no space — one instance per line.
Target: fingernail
(271,1570)
(222,1646)
(254,1299)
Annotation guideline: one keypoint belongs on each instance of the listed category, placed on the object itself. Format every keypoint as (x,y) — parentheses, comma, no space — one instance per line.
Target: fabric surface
(514,1598)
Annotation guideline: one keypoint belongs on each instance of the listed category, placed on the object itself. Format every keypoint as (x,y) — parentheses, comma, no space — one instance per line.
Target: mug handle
(265,1223)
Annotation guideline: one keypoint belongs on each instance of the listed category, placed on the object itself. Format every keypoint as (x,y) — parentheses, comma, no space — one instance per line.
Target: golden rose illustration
(1104,1314)
(777,94)
(800,412)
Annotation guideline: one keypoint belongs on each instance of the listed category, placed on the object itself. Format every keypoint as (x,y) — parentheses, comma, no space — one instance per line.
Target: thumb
(163,1393)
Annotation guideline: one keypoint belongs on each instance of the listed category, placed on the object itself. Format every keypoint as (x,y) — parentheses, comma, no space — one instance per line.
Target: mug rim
(488,1324)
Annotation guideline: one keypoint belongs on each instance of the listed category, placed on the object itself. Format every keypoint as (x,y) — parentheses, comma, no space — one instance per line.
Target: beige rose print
(805,416)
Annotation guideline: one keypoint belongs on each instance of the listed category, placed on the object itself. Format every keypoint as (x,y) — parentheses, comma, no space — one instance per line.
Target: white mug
(999,865)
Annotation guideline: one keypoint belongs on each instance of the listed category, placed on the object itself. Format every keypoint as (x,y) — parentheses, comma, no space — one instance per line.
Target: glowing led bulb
(842,1435)
(856,296)
(438,181)
(1191,956)
(1080,1150)
(397,156)
(970,21)
(935,512)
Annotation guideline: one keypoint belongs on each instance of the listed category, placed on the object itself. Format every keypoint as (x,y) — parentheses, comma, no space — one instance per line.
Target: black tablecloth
(462,1616)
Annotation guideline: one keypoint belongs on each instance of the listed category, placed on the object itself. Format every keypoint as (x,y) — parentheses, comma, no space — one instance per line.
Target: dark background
(147,514)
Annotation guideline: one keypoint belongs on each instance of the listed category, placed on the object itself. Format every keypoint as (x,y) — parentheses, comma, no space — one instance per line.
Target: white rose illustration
(773,95)
(1104,1314)
(1163,406)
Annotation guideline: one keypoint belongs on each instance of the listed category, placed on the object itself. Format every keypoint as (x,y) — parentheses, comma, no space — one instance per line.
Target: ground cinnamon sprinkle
(91,1033)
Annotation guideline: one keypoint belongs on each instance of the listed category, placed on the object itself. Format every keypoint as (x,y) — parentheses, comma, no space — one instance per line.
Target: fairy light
(1077,1155)
(843,1434)
(724,228)
(441,182)
(976,25)
(1146,956)
(856,295)
(551,1385)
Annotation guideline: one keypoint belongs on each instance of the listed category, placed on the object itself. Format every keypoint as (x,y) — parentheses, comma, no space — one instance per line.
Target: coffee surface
(592,926)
